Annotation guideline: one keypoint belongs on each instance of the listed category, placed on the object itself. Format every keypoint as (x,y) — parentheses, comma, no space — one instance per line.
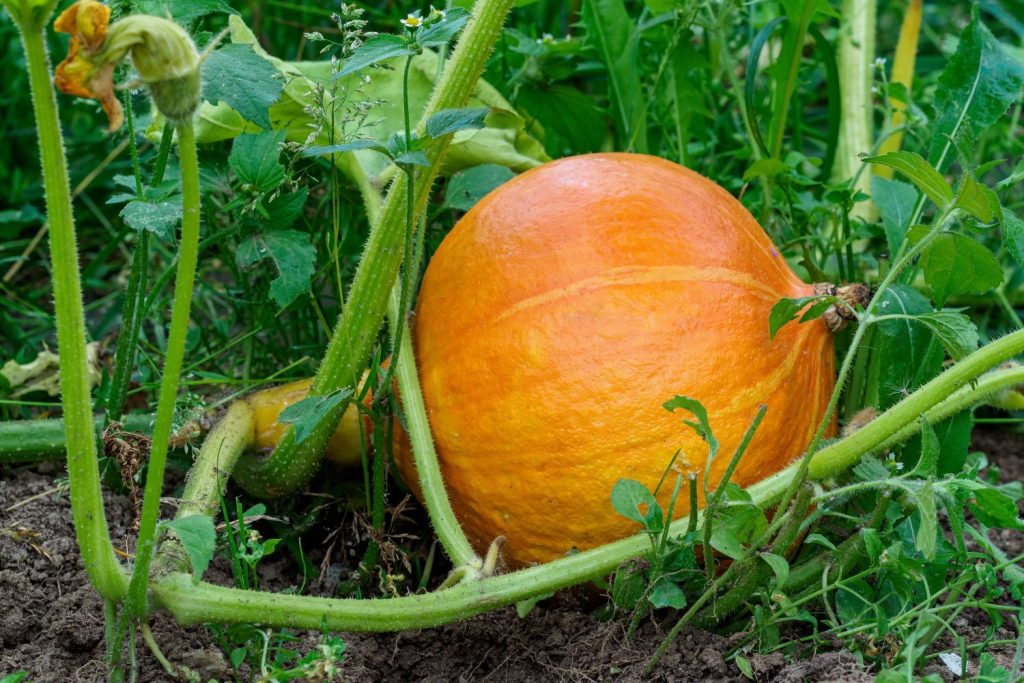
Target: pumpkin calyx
(851,295)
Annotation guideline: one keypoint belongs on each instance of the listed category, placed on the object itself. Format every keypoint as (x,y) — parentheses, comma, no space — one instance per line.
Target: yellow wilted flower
(83,73)
(161,51)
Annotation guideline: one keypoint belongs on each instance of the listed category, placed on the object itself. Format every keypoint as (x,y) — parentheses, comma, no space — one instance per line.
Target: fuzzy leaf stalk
(168,63)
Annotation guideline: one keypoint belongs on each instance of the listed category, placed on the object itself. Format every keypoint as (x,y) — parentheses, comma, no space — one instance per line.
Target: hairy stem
(191,603)
(208,477)
(37,440)
(292,464)
(101,564)
(435,497)
(896,422)
(188,257)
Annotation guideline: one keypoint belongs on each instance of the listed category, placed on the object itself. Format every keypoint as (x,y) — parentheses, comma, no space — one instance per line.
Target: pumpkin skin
(559,315)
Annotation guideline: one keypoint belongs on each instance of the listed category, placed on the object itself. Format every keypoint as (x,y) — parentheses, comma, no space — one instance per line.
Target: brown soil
(51,622)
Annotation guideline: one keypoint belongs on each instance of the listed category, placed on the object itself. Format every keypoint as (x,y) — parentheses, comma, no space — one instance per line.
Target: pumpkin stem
(851,296)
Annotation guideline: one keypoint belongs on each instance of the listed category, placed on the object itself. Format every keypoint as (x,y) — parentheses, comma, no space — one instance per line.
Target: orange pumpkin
(559,315)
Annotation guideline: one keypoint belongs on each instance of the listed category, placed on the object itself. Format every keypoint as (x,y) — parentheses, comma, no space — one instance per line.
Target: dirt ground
(51,622)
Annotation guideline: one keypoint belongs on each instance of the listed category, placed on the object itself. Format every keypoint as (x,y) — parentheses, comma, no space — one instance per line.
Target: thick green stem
(885,428)
(292,464)
(435,497)
(212,468)
(38,440)
(101,564)
(198,603)
(856,74)
(208,477)
(188,257)
(986,389)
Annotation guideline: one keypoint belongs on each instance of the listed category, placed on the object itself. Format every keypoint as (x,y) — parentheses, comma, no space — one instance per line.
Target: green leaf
(735,526)
(779,566)
(441,32)
(955,264)
(612,32)
(701,426)
(905,349)
(665,593)
(919,172)
(185,12)
(928,464)
(629,496)
(928,528)
(628,586)
(688,71)
(995,509)
(977,200)
(895,201)
(818,539)
(990,671)
(286,207)
(374,51)
(306,414)
(324,150)
(785,311)
(16,677)
(243,80)
(467,187)
(764,168)
(451,120)
(292,254)
(199,539)
(955,330)
(1013,236)
(255,160)
(158,217)
(870,468)
(744,666)
(872,543)
(980,82)
(414,158)
(573,124)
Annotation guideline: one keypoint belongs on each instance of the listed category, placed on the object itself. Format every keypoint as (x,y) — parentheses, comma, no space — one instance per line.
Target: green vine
(188,256)
(101,564)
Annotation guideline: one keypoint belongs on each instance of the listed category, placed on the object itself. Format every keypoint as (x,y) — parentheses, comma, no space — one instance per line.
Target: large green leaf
(238,76)
(980,81)
(255,160)
(505,140)
(895,201)
(571,120)
(294,258)
(906,354)
(956,264)
(920,172)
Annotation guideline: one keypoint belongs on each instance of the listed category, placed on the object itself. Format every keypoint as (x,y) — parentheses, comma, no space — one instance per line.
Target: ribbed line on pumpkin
(643,275)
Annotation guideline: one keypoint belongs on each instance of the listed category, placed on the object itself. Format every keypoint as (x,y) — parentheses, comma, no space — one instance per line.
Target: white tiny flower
(412,21)
(879,63)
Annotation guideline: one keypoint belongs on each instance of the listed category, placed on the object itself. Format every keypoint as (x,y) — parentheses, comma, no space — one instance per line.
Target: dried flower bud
(165,57)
